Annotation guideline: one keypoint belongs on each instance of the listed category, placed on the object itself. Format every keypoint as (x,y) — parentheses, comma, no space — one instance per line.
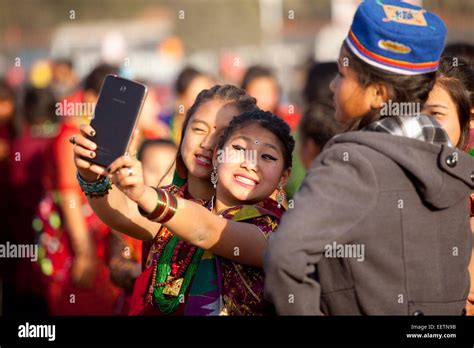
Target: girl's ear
(215,157)
(378,94)
(285,176)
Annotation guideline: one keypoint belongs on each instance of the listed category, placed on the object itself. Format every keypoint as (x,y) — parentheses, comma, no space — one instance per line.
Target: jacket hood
(442,174)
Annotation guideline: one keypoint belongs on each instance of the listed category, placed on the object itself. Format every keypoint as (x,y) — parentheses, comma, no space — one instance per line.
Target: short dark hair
(39,105)
(319,77)
(6,92)
(255,72)
(185,77)
(318,123)
(96,77)
(267,120)
(461,50)
(154,142)
(64,61)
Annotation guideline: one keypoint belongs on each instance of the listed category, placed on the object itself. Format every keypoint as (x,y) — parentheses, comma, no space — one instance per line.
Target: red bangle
(170,209)
(161,204)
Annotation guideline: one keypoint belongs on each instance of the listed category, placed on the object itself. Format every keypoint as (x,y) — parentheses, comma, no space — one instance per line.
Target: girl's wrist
(88,175)
(164,206)
(147,201)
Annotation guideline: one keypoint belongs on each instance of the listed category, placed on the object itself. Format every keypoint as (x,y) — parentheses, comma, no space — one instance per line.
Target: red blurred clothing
(27,160)
(125,267)
(27,163)
(290,114)
(59,176)
(6,139)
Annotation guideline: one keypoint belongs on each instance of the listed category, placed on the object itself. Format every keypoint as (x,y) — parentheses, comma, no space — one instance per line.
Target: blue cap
(396,36)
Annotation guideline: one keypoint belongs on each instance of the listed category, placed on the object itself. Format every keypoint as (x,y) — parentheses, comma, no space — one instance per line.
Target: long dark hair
(266,120)
(234,95)
(456,77)
(401,88)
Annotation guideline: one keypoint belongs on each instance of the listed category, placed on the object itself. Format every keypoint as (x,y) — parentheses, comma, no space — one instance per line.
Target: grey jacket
(384,222)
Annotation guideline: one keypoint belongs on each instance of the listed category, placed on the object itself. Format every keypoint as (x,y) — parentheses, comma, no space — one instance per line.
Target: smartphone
(115,117)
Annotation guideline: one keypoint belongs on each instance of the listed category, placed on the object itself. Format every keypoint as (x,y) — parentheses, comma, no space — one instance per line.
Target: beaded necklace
(174,264)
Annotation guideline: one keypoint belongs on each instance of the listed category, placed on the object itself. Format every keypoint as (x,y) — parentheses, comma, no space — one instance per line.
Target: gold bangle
(164,208)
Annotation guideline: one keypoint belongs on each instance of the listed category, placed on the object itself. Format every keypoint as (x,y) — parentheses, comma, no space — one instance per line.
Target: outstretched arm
(115,209)
(237,241)
(241,242)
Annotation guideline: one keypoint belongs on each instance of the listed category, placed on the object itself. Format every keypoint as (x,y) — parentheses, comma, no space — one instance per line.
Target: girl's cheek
(270,173)
(223,171)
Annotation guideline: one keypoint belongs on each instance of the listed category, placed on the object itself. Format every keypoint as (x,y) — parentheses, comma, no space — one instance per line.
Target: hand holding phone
(115,118)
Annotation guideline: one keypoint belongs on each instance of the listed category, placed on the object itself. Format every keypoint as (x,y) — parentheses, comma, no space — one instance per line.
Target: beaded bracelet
(95,189)
(166,207)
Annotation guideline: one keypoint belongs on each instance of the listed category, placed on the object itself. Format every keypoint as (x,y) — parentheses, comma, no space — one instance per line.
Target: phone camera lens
(123,89)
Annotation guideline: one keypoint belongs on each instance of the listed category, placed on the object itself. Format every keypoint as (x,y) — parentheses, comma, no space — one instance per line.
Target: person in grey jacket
(381,222)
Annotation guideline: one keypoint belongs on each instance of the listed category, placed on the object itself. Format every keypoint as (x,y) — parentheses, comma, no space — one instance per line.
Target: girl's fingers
(133,148)
(98,170)
(122,161)
(87,130)
(83,164)
(81,151)
(82,141)
(128,181)
(124,172)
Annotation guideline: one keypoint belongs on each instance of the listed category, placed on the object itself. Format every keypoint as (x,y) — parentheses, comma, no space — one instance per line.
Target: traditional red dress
(56,254)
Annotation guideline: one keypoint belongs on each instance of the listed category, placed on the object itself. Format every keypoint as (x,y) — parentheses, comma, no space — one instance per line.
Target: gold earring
(280,196)
(214,177)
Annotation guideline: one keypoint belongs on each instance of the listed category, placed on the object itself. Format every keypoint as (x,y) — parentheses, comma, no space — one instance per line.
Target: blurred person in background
(316,88)
(73,241)
(149,123)
(28,160)
(64,78)
(260,82)
(188,85)
(7,112)
(157,157)
(7,132)
(316,128)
